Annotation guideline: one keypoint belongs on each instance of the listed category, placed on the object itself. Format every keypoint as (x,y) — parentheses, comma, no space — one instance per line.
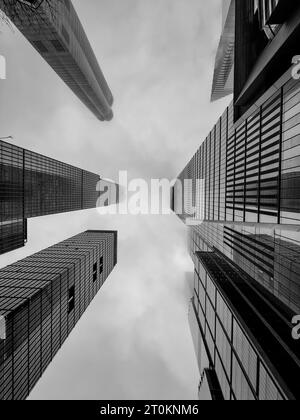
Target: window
(2,328)
(71,299)
(40,46)
(57,45)
(95,272)
(101,265)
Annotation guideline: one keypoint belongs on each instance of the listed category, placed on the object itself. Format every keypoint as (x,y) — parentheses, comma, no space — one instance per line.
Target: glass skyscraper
(33,185)
(55,31)
(41,299)
(245,238)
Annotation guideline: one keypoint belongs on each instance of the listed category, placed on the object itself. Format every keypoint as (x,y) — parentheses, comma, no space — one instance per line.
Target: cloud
(133,341)
(128,344)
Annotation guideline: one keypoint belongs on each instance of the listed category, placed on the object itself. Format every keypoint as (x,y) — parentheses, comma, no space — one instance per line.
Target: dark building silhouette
(41,299)
(266,38)
(245,239)
(246,348)
(33,185)
(55,31)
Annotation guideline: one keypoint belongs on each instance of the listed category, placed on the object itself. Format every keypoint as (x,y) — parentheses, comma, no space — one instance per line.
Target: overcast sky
(134,340)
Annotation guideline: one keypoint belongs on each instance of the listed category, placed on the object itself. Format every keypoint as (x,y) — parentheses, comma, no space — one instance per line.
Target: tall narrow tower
(245,234)
(55,31)
(41,299)
(33,185)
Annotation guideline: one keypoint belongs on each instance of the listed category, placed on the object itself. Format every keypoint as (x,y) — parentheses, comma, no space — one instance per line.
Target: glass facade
(209,387)
(41,299)
(55,187)
(55,31)
(251,203)
(246,243)
(270,256)
(13,235)
(33,185)
(253,355)
(12,222)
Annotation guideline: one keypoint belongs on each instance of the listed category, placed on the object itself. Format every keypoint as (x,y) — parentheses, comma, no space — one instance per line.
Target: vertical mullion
(280,157)
(234,177)
(245,170)
(226,165)
(220,157)
(209,169)
(259,165)
(258,378)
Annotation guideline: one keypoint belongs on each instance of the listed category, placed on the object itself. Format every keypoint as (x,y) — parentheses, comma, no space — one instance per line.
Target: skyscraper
(245,333)
(33,185)
(247,249)
(41,299)
(224,65)
(55,31)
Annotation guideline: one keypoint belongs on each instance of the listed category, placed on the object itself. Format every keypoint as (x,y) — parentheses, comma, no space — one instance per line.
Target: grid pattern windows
(257,250)
(237,361)
(42,298)
(258,181)
(209,165)
(271,257)
(290,178)
(33,185)
(54,187)
(253,166)
(246,353)
(251,170)
(12,223)
(267,388)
